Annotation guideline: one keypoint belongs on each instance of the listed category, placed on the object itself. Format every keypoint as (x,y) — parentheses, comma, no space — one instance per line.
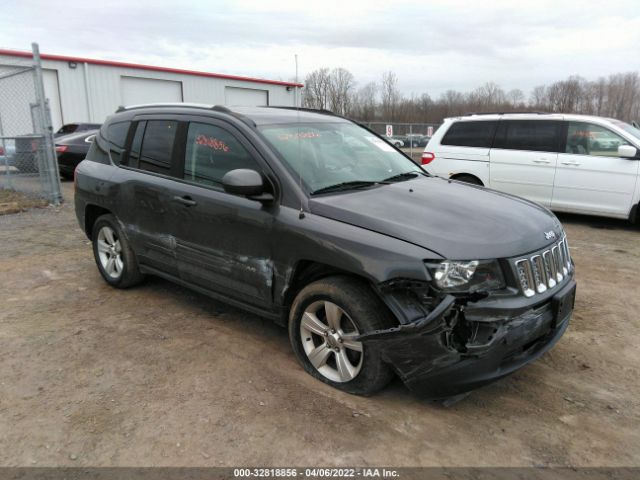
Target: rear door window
(529,135)
(117,136)
(157,146)
(136,144)
(470,134)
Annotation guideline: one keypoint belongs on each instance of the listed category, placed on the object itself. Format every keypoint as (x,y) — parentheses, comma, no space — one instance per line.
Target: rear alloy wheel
(113,255)
(325,320)
(110,252)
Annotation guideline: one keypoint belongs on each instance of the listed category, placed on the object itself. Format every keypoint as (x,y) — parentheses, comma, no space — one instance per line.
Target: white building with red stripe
(88,90)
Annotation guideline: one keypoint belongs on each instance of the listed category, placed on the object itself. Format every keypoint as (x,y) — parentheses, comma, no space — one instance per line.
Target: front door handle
(542,160)
(186,200)
(571,163)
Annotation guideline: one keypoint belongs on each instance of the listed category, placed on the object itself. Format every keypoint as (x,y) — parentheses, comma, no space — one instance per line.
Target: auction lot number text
(315,472)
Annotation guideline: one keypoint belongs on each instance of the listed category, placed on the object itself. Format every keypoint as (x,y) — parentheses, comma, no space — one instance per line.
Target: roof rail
(221,108)
(311,110)
(217,108)
(123,108)
(505,113)
(239,116)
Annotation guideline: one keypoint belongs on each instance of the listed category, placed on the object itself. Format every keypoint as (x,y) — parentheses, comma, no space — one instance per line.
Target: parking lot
(158,375)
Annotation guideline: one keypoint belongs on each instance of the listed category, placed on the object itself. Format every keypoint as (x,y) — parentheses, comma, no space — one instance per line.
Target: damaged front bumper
(461,345)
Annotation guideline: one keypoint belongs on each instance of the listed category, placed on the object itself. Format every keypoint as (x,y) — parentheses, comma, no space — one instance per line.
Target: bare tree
(515,97)
(598,95)
(366,102)
(390,95)
(452,103)
(623,95)
(487,97)
(538,99)
(617,96)
(316,89)
(424,105)
(341,85)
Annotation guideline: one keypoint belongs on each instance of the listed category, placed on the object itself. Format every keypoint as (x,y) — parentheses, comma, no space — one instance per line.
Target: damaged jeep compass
(377,268)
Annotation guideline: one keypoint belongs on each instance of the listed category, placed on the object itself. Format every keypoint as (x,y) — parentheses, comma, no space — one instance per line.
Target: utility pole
(297,88)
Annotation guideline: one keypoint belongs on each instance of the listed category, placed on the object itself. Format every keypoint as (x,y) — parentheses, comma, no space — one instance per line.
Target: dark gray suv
(376,267)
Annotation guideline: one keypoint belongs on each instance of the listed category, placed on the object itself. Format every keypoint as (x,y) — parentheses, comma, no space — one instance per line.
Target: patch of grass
(15,202)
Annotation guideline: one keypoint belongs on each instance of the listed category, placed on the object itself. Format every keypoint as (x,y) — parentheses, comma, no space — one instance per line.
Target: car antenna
(295,99)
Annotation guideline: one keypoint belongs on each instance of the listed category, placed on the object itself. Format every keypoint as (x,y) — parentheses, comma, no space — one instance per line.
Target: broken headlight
(466,275)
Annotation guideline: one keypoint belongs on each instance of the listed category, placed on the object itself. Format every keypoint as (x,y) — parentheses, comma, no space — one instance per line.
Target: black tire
(129,275)
(468,179)
(365,311)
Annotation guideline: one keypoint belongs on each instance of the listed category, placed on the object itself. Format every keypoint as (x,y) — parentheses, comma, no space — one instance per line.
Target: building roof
(111,63)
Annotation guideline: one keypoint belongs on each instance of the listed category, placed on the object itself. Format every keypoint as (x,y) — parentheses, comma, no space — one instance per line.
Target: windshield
(328,154)
(627,128)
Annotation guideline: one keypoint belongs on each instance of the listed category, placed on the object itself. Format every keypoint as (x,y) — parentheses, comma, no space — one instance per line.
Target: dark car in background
(26,153)
(317,223)
(75,128)
(416,140)
(72,149)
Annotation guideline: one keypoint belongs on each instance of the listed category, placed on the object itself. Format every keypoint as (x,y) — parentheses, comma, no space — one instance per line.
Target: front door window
(589,139)
(211,152)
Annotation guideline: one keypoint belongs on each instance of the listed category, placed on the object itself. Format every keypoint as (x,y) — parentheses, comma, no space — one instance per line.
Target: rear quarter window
(470,134)
(97,153)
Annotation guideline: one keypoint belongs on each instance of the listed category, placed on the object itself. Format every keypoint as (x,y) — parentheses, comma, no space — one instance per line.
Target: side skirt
(271,315)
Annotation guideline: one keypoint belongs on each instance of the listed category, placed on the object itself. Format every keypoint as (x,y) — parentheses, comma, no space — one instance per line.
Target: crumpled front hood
(458,221)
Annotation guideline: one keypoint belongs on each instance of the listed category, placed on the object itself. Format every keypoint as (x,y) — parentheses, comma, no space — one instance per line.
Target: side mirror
(245,182)
(627,151)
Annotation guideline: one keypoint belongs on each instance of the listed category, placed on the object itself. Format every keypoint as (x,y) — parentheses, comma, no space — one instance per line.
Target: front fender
(370,255)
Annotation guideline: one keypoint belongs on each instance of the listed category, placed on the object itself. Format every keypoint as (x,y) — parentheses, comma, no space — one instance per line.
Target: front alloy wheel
(328,338)
(326,318)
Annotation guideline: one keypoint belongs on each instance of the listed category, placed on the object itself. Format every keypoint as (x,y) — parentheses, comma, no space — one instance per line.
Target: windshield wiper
(402,176)
(345,186)
(354,184)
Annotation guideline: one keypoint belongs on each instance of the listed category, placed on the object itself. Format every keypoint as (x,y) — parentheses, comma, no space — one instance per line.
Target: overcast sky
(432,46)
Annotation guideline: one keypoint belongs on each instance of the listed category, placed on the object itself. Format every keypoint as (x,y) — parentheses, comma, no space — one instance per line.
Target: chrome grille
(545,269)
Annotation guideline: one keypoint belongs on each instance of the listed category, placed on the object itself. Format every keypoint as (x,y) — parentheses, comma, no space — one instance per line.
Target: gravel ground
(158,375)
(15,202)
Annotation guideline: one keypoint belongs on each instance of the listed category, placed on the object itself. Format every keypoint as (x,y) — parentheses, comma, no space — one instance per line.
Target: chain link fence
(28,162)
(410,137)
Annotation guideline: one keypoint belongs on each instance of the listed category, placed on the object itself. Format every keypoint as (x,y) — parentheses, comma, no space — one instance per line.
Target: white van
(569,163)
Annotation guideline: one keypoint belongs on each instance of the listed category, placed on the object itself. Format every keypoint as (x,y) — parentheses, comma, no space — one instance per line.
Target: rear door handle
(571,163)
(186,200)
(542,160)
